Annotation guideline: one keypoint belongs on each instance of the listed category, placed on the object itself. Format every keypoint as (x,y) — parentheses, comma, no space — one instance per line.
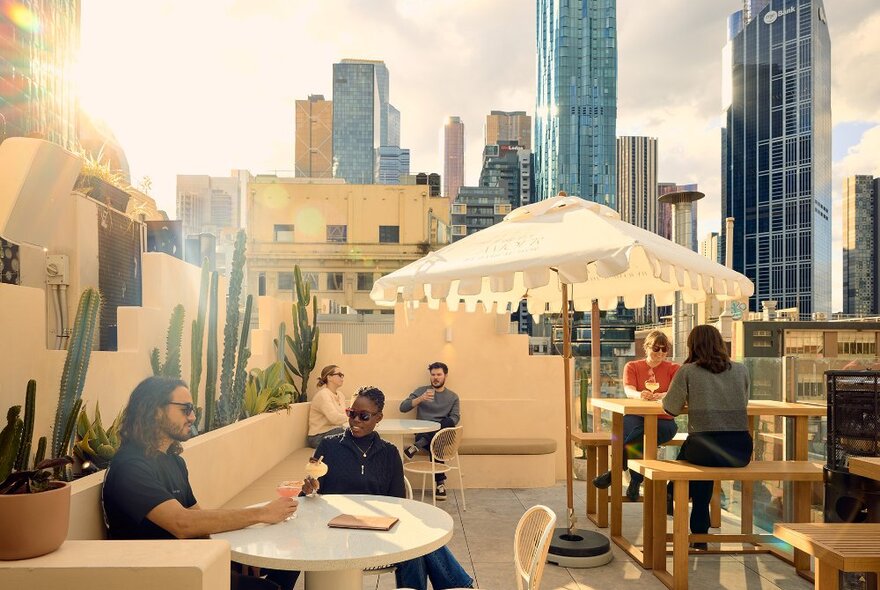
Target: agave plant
(94,444)
(267,390)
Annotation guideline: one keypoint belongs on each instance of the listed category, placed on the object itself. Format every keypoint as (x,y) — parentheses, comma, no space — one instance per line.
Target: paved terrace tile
(483,543)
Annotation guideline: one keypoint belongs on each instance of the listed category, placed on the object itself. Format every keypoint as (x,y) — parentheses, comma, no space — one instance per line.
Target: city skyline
(228,69)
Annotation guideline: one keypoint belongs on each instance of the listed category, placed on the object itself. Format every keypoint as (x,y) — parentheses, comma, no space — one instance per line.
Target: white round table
(334,559)
(394,429)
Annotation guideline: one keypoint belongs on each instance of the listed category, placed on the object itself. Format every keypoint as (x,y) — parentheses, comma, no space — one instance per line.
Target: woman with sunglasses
(327,414)
(360,462)
(647,379)
(716,392)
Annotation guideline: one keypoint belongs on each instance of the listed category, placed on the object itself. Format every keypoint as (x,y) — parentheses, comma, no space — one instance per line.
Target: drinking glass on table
(652,385)
(290,489)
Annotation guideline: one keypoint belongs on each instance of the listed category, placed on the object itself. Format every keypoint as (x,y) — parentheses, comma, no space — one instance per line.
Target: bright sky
(205,86)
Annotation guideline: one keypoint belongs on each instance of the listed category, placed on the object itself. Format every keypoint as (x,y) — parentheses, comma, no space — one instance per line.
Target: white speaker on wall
(34,176)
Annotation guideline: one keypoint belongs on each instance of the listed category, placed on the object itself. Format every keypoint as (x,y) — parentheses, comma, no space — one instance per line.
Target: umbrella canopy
(557,251)
(561,240)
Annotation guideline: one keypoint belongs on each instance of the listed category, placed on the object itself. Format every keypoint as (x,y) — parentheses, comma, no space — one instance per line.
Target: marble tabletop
(306,543)
(401,426)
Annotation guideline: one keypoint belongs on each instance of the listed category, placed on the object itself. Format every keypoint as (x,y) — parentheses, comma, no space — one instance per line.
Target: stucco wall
(167,281)
(504,391)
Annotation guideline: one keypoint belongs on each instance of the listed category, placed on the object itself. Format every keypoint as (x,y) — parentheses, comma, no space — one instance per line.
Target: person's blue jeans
(439,566)
(423,441)
(633,435)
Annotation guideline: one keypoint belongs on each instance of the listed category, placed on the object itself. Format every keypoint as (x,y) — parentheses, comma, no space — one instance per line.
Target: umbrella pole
(595,352)
(566,362)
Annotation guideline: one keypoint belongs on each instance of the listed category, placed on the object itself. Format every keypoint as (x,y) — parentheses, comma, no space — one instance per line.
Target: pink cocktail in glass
(290,489)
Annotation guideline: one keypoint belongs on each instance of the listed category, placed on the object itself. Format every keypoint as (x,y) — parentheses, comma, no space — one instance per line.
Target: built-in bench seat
(507,446)
(506,463)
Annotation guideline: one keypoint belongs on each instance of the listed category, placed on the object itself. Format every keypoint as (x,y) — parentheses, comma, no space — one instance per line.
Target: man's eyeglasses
(361,415)
(658,348)
(187,407)
(338,374)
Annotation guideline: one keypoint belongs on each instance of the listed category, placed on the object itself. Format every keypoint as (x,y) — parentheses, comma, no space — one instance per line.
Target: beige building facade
(343,236)
(509,126)
(313,149)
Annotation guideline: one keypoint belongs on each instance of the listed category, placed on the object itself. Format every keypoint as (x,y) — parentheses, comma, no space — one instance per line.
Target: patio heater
(682,234)
(853,431)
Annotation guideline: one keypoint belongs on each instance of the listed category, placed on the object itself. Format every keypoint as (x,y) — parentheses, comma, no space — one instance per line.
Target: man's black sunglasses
(362,415)
(188,407)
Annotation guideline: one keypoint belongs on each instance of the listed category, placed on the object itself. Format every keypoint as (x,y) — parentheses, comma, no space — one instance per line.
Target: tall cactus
(198,336)
(244,353)
(211,372)
(173,340)
(279,343)
(226,405)
(30,408)
(304,343)
(76,365)
(10,441)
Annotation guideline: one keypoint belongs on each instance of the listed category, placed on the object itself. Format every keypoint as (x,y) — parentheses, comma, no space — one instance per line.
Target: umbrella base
(579,550)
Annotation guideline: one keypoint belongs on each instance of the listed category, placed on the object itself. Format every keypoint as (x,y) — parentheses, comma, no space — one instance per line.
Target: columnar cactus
(30,407)
(76,365)
(10,441)
(211,373)
(226,405)
(304,343)
(198,336)
(173,340)
(244,353)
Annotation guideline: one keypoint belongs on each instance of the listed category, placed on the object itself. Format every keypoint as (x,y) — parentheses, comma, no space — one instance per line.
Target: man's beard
(179,434)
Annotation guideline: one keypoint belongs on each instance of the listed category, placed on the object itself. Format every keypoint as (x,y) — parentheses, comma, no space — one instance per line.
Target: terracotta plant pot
(34,524)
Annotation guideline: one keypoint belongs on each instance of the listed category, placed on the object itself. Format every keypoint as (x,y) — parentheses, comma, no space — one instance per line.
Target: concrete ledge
(132,565)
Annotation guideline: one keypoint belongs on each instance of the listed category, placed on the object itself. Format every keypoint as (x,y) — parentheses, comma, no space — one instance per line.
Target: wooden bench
(596,445)
(657,473)
(715,504)
(837,548)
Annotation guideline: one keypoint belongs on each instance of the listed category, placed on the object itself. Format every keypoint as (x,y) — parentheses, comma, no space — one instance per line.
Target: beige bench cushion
(507,446)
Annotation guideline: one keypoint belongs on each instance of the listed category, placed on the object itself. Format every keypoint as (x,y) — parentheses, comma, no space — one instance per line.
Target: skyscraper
(576,99)
(39,42)
(637,181)
(508,166)
(313,150)
(393,161)
(361,119)
(453,157)
(861,245)
(509,126)
(776,151)
(208,203)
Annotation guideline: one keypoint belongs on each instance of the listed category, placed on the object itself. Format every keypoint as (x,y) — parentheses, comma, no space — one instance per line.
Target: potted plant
(34,510)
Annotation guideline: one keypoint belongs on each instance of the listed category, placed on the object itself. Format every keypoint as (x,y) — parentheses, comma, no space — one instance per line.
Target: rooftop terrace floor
(483,543)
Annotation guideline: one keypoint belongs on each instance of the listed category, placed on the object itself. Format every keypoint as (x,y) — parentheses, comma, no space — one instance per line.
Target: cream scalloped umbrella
(559,253)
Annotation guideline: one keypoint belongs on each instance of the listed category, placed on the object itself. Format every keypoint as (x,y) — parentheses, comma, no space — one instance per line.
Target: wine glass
(652,385)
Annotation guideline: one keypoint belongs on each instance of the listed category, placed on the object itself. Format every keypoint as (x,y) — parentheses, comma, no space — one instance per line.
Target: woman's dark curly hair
(374,394)
(139,423)
(706,349)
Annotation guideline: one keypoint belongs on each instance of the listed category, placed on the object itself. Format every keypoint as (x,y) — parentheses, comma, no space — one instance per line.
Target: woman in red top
(654,369)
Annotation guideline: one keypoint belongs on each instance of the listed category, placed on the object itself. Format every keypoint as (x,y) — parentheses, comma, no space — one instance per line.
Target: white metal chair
(388,569)
(530,546)
(444,458)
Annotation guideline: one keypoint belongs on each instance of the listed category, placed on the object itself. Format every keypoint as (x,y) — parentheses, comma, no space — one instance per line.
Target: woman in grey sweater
(716,392)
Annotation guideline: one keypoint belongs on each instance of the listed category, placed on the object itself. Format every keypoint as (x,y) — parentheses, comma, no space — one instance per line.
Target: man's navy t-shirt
(135,484)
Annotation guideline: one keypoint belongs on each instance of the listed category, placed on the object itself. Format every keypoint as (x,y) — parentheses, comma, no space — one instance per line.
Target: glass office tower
(360,119)
(776,151)
(576,99)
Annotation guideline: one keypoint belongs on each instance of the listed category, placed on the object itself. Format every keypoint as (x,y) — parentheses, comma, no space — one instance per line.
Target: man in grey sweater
(437,403)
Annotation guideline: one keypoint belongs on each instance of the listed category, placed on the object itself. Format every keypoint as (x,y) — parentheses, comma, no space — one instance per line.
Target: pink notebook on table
(354,521)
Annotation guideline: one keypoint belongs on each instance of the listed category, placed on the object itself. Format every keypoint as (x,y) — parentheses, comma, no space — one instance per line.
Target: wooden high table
(865,466)
(650,410)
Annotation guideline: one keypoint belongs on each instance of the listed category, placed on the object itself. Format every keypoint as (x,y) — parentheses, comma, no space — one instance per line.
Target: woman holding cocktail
(360,462)
(647,379)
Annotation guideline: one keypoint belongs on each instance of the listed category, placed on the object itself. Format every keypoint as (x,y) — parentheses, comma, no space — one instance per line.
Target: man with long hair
(147,494)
